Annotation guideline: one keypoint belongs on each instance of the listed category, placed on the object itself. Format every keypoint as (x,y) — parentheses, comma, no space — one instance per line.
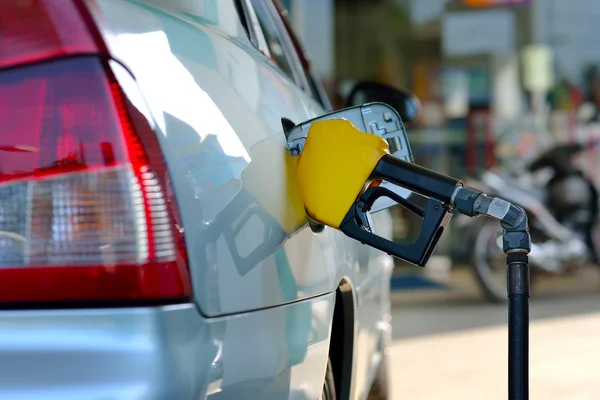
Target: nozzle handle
(416,178)
(435,218)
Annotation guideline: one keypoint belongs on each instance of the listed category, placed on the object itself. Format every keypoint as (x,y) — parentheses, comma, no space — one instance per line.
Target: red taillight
(84,214)
(33,30)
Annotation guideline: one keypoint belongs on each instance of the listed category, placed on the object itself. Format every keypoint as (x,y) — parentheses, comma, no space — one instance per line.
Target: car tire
(329,384)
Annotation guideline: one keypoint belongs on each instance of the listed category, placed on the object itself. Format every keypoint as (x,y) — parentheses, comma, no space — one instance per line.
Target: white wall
(506,86)
(425,10)
(572,27)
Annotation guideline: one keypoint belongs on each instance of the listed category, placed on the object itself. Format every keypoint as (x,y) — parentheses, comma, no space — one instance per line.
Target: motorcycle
(562,207)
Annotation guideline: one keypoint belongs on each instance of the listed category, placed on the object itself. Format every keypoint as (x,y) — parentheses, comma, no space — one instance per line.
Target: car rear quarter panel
(217,107)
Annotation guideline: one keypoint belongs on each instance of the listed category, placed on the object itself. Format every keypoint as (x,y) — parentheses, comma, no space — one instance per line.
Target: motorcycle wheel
(488,261)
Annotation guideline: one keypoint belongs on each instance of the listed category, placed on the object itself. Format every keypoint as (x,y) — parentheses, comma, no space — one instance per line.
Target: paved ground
(453,346)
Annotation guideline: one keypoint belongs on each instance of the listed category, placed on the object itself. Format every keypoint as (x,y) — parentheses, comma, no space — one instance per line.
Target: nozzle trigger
(370,196)
(435,218)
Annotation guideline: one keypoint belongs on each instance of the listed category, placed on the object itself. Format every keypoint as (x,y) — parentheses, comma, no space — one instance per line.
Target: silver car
(150,243)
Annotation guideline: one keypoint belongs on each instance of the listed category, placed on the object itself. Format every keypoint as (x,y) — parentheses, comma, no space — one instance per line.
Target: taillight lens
(83,207)
(34,30)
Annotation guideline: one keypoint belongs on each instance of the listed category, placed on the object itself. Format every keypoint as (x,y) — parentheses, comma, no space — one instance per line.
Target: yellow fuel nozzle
(339,170)
(334,167)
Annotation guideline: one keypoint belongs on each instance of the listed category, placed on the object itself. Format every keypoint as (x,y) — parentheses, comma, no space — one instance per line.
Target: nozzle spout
(417,179)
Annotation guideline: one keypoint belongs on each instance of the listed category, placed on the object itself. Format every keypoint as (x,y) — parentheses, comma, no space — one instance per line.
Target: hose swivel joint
(513,219)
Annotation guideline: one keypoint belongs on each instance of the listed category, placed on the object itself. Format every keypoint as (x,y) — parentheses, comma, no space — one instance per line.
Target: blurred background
(509,93)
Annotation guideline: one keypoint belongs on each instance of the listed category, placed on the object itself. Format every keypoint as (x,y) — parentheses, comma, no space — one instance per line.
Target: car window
(274,38)
(318,92)
(312,85)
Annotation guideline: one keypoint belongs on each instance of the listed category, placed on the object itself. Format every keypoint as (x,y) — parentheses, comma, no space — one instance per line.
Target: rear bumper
(163,353)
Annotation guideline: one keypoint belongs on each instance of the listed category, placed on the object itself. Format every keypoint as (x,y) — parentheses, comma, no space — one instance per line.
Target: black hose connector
(464,201)
(517,278)
(516,231)
(473,202)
